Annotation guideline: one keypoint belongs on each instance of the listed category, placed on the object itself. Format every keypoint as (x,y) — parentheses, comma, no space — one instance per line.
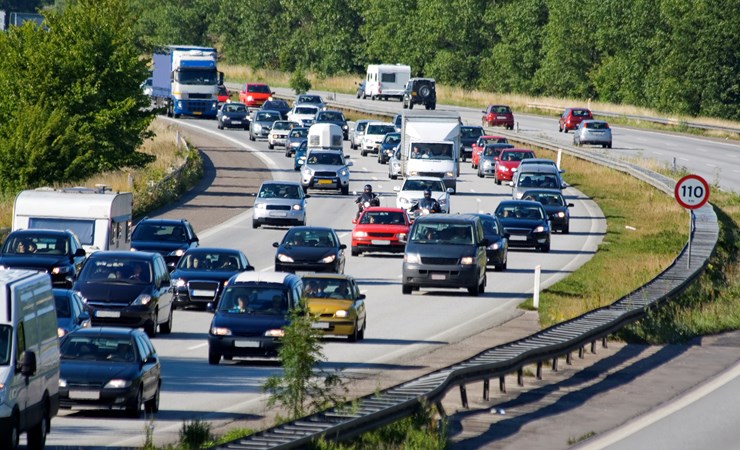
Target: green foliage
(300,389)
(299,83)
(194,434)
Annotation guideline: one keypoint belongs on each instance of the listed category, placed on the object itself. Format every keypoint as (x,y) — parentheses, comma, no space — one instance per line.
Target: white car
(374,135)
(279,133)
(413,190)
(303,114)
(394,165)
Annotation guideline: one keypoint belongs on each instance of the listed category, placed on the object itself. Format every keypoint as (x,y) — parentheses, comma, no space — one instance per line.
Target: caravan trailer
(101,219)
(386,80)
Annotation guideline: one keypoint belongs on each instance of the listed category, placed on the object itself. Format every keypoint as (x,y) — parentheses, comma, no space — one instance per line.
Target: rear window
(501,110)
(255,300)
(259,88)
(581,113)
(471,132)
(596,125)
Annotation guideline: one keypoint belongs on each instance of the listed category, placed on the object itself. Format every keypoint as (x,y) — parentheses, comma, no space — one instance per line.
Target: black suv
(420,91)
(168,237)
(129,289)
(59,253)
(445,251)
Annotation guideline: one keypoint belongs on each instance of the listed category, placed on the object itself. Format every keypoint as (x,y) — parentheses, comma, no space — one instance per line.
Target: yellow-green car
(338,304)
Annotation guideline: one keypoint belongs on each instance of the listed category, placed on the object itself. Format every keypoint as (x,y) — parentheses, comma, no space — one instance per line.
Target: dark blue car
(525,223)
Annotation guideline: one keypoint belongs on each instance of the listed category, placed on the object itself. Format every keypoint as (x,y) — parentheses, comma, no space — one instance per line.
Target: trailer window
(84,229)
(388,78)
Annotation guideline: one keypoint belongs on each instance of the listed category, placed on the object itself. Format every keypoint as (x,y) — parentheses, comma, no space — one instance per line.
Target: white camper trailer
(101,219)
(386,80)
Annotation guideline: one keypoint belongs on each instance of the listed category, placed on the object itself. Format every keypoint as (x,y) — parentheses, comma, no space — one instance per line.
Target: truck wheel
(434,106)
(37,434)
(10,439)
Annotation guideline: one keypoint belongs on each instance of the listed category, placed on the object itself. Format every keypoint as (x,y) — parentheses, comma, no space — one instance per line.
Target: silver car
(373,137)
(303,114)
(488,157)
(262,124)
(394,165)
(279,203)
(593,132)
(357,132)
(325,169)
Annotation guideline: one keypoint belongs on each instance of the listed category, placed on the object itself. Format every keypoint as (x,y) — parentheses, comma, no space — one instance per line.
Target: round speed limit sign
(692,192)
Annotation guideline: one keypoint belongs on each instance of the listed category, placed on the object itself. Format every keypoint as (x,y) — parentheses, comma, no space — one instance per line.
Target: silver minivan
(536,176)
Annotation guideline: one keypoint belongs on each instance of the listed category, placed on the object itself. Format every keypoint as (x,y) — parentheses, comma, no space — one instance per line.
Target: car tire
(480,174)
(220,127)
(10,439)
(545,248)
(355,333)
(251,137)
(151,328)
(177,116)
(362,153)
(345,190)
(151,406)
(166,328)
(255,224)
(473,290)
(246,128)
(37,434)
(565,130)
(406,289)
(213,358)
(133,406)
(372,97)
(566,229)
(361,334)
(355,251)
(609,145)
(434,106)
(405,105)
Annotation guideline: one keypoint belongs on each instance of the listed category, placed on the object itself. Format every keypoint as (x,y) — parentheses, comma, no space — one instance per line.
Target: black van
(249,318)
(446,251)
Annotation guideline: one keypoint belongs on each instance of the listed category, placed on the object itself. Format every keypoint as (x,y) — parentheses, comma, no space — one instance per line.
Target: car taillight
(606,126)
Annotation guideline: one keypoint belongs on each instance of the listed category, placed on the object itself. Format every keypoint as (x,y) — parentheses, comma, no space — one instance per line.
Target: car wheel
(480,174)
(213,358)
(473,290)
(151,328)
(287,154)
(361,334)
(565,130)
(251,137)
(270,146)
(345,190)
(372,97)
(133,406)
(406,289)
(356,251)
(151,406)
(482,287)
(405,105)
(166,328)
(566,229)
(177,116)
(464,158)
(255,224)
(434,106)
(545,248)
(560,129)
(609,145)
(246,128)
(498,181)
(220,127)
(359,94)
(10,439)
(355,333)
(37,434)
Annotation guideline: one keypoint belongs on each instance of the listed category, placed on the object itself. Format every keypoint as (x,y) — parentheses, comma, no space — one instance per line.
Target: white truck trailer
(101,219)
(430,146)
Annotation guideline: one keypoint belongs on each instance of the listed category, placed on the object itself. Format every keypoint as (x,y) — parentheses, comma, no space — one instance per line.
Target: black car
(525,223)
(202,272)
(107,368)
(310,249)
(335,117)
(277,105)
(129,289)
(253,311)
(233,115)
(420,91)
(468,136)
(497,251)
(555,206)
(388,147)
(58,253)
(168,237)
(445,251)
(71,311)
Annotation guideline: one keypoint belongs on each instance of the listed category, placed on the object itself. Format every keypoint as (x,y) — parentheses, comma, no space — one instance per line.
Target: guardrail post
(560,156)
(502,384)
(593,347)
(580,352)
(520,376)
(567,359)
(539,370)
(604,343)
(555,364)
(464,396)
(536,298)
(486,389)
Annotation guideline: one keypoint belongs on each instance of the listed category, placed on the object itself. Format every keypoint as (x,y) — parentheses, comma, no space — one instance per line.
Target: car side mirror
(150,359)
(249,268)
(28,363)
(450,190)
(561,170)
(564,185)
(306,195)
(361,297)
(570,205)
(80,252)
(350,163)
(342,246)
(83,317)
(275,244)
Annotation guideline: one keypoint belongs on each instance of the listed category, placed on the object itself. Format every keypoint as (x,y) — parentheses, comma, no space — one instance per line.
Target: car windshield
(581,113)
(431,151)
(520,211)
(259,88)
(337,288)
(548,181)
(491,151)
(299,133)
(30,244)
(267,117)
(5,334)
(116,269)
(196,76)
(231,107)
(515,156)
(471,132)
(328,159)
(545,198)
(99,348)
(309,238)
(442,233)
(210,262)
(490,226)
(282,125)
(392,138)
(62,305)
(305,110)
(274,190)
(159,232)
(383,218)
(380,129)
(309,99)
(495,140)
(420,185)
(275,104)
(260,300)
(330,116)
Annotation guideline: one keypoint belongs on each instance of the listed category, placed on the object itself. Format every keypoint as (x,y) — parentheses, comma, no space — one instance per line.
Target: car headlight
(62,383)
(503,168)
(282,257)
(359,234)
(60,269)
(413,173)
(3,267)
(214,105)
(307,171)
(142,299)
(61,332)
(403,200)
(412,258)
(341,313)
(442,201)
(132,249)
(117,383)
(539,229)
(343,173)
(179,282)
(344,127)
(486,163)
(401,236)
(466,260)
(277,332)
(328,259)
(257,127)
(220,331)
(297,207)
(561,214)
(260,206)
(450,174)
(494,246)
(250,98)
(179,252)
(179,104)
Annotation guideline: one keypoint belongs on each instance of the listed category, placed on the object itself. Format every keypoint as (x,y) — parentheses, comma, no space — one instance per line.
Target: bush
(299,83)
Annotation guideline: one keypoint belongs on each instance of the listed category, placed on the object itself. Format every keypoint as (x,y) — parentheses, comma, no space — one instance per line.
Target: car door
(149,366)
(163,288)
(359,300)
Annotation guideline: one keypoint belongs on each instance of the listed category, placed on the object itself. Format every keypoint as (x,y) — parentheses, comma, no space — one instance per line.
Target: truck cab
(431,146)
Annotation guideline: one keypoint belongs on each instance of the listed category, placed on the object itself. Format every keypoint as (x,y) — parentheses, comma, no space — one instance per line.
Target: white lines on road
(684,159)
(472,190)
(375,178)
(198,346)
(711,165)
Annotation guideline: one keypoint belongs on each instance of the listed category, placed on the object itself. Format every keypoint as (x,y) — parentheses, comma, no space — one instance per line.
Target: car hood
(375,228)
(328,305)
(552,209)
(235,114)
(34,261)
(203,275)
(307,253)
(242,323)
(521,223)
(279,201)
(112,292)
(418,195)
(325,167)
(434,250)
(263,123)
(158,246)
(97,372)
(509,164)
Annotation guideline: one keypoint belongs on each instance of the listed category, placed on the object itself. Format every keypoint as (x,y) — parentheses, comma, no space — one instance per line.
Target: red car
(223,94)
(570,119)
(481,144)
(255,94)
(508,161)
(498,116)
(380,229)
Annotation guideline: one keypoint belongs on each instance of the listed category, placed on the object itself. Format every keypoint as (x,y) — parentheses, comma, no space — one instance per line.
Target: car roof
(256,84)
(35,231)
(311,228)
(106,331)
(138,255)
(543,168)
(515,202)
(329,276)
(416,177)
(492,136)
(263,277)
(262,111)
(538,160)
(542,191)
(281,183)
(383,209)
(212,250)
(163,221)
(447,218)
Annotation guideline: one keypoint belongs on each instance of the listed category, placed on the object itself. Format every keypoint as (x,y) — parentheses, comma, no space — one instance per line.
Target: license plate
(501,117)
(439,276)
(325,182)
(247,344)
(380,242)
(113,314)
(197,113)
(320,325)
(84,395)
(236,122)
(203,293)
(517,238)
(279,214)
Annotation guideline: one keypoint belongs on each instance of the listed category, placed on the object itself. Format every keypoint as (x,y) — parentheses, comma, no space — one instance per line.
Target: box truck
(430,146)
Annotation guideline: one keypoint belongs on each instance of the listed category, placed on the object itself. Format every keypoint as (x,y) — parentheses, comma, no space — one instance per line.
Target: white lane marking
(711,165)
(659,153)
(198,346)
(365,169)
(375,178)
(472,190)
(683,159)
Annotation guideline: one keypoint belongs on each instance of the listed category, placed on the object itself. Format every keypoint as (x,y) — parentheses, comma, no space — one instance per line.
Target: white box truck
(100,218)
(386,80)
(430,146)
(29,358)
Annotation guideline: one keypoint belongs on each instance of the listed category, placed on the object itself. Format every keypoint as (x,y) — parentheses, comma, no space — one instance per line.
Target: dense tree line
(678,56)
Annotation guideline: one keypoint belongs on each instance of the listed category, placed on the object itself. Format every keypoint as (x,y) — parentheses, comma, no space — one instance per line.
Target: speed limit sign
(692,192)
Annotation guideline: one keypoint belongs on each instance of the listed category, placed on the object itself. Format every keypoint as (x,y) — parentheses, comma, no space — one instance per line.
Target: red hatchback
(480,144)
(570,119)
(498,116)
(255,94)
(380,229)
(508,162)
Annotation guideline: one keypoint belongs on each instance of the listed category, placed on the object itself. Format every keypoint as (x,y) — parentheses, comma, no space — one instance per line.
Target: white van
(101,219)
(386,80)
(325,136)
(29,358)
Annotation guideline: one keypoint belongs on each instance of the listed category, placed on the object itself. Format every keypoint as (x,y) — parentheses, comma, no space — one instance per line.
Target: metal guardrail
(374,411)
